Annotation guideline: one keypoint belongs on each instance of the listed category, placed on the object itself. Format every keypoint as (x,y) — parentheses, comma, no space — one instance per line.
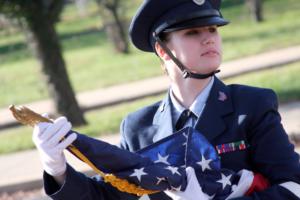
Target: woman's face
(199,49)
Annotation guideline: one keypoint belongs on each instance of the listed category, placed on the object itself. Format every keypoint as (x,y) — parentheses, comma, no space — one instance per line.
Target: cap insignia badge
(199,2)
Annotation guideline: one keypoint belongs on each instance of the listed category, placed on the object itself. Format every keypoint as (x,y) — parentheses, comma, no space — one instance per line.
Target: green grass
(92,63)
(83,71)
(245,37)
(284,81)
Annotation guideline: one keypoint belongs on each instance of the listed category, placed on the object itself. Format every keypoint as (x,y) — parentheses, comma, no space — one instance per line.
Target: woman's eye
(212,29)
(192,32)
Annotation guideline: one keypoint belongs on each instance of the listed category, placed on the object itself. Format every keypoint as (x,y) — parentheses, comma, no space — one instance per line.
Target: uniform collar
(197,105)
(218,106)
(163,119)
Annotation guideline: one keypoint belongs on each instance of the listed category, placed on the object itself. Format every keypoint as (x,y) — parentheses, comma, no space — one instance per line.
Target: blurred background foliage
(92,61)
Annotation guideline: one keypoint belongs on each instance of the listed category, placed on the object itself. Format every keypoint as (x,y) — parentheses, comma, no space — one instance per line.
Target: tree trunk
(256,9)
(44,40)
(120,38)
(114,27)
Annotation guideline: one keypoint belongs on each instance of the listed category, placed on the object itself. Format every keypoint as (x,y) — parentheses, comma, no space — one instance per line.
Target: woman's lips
(210,53)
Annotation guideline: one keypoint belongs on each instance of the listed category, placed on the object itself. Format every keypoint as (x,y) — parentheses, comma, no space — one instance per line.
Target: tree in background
(38,19)
(112,11)
(256,9)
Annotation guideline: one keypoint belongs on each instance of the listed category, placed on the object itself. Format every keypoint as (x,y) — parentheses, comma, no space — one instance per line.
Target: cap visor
(209,21)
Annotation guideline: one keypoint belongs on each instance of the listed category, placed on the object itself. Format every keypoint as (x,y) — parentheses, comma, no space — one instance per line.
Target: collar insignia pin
(222,96)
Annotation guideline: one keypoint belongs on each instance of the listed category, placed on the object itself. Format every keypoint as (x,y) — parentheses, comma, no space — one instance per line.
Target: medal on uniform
(229,147)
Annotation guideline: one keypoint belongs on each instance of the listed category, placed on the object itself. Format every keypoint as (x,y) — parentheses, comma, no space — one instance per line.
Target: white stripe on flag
(292,187)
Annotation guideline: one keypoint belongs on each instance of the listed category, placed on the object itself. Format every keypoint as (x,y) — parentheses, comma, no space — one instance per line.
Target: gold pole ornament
(28,117)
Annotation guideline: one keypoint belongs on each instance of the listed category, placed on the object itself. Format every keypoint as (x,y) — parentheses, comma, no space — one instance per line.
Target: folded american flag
(161,166)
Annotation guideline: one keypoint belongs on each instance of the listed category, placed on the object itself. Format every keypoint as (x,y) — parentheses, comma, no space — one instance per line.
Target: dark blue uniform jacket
(247,113)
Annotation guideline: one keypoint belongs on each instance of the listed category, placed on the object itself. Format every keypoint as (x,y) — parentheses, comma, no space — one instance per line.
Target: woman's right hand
(47,139)
(193,190)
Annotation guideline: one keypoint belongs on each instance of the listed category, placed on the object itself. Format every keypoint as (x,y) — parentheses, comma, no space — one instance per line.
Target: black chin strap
(185,72)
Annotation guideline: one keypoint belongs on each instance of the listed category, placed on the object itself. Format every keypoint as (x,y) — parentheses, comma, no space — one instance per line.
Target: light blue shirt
(196,107)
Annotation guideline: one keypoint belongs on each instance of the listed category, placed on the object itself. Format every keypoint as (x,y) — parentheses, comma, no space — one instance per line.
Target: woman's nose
(208,40)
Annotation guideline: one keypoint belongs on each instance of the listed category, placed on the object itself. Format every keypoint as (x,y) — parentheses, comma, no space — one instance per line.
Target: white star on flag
(160,180)
(138,173)
(176,188)
(204,163)
(185,135)
(174,170)
(162,159)
(225,180)
(144,197)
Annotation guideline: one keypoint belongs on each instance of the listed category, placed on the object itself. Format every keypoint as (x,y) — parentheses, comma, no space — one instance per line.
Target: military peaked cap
(157,16)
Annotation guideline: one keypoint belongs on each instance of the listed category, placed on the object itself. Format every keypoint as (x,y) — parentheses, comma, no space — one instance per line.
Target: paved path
(112,95)
(22,170)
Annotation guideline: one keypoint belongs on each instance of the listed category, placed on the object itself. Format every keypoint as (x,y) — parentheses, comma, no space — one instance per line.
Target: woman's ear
(161,52)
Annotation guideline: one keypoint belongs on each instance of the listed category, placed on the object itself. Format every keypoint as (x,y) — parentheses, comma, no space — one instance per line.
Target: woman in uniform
(184,35)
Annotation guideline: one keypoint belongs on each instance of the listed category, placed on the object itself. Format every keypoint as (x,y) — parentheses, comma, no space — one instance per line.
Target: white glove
(46,137)
(193,190)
